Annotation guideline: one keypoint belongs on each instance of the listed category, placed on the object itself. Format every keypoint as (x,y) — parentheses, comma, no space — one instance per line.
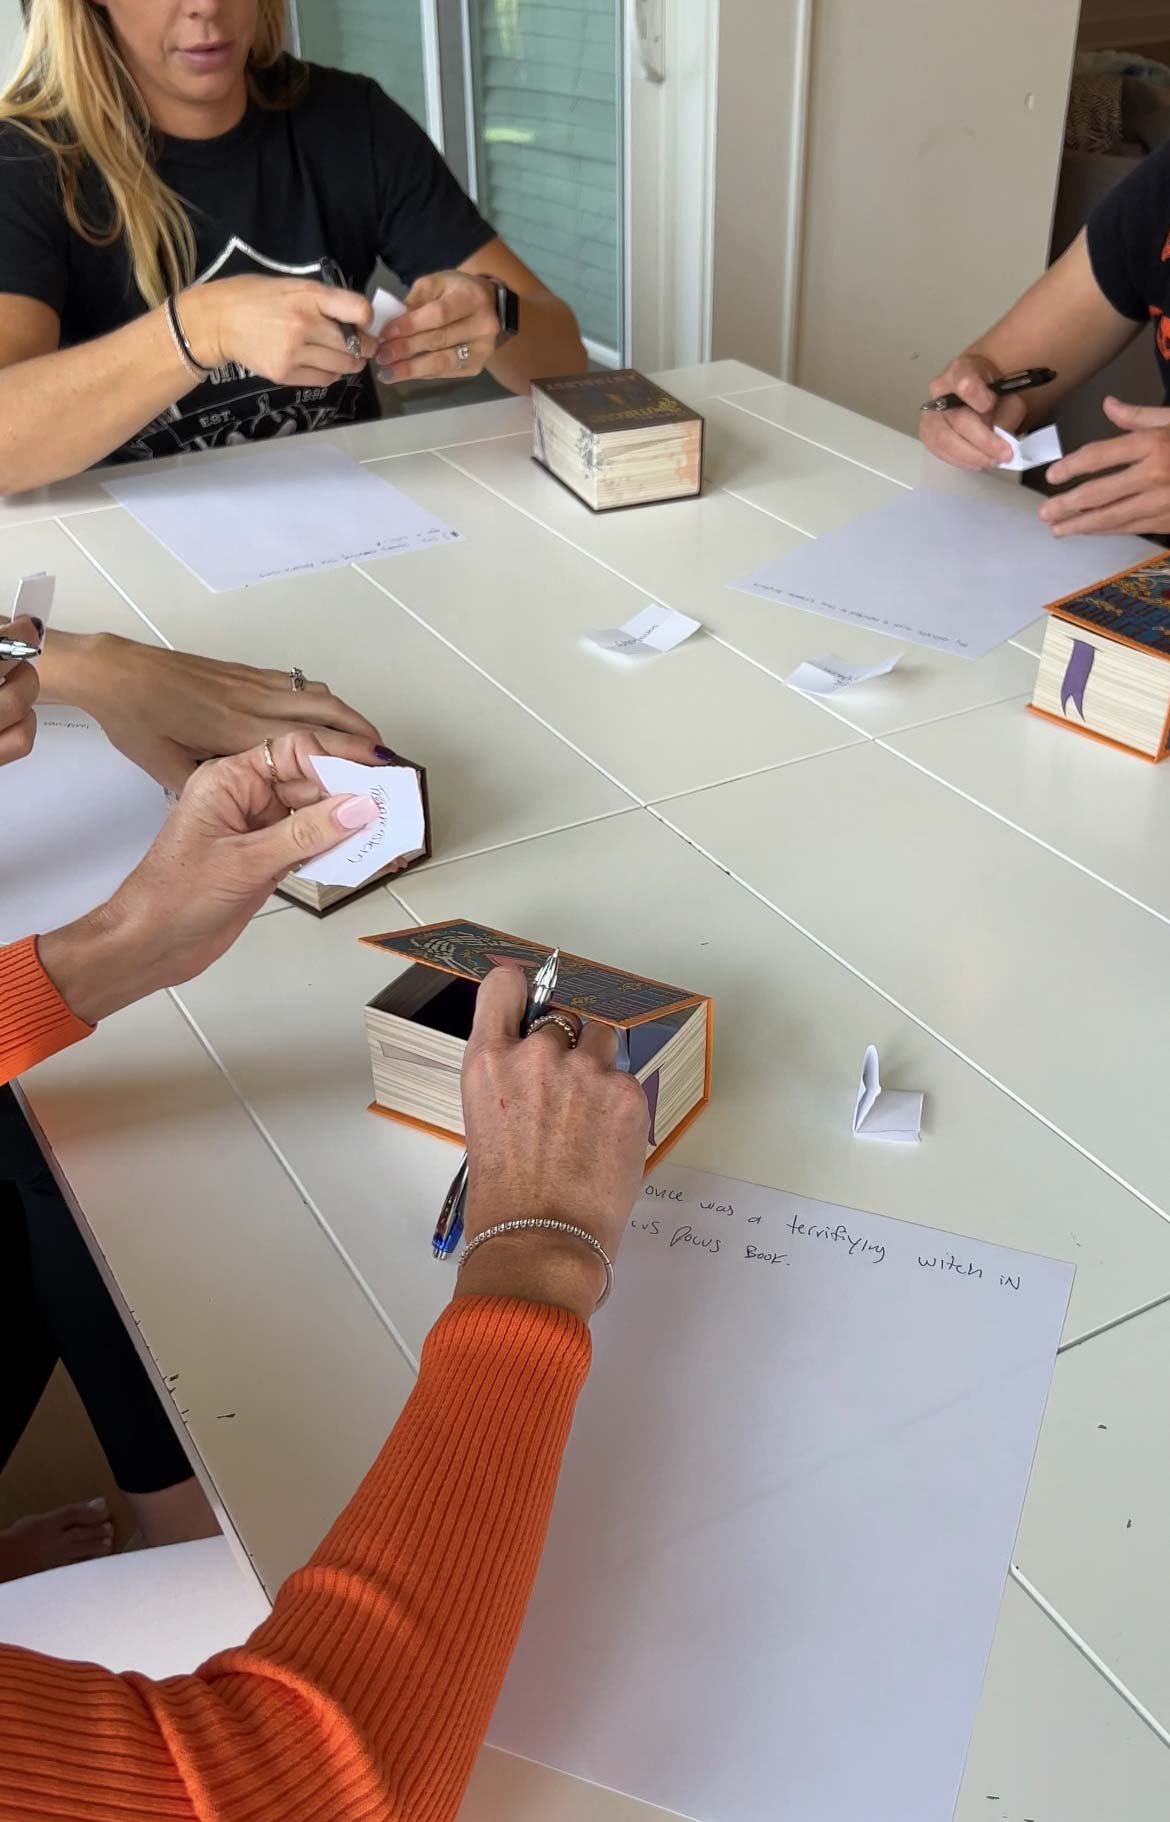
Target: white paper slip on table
(279,511)
(954,574)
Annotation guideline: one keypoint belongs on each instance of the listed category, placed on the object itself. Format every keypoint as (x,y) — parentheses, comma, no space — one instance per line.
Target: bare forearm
(1063,322)
(549,343)
(65,666)
(62,412)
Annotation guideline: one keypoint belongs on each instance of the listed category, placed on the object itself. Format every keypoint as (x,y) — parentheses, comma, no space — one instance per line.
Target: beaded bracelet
(554,1227)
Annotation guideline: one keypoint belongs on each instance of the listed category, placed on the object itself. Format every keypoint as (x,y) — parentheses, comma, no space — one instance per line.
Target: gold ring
(557,1018)
(268,759)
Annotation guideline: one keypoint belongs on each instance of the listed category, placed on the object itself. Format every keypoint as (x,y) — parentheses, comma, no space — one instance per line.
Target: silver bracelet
(554,1227)
(186,353)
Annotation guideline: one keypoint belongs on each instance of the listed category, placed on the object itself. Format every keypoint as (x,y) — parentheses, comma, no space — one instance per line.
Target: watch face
(508,306)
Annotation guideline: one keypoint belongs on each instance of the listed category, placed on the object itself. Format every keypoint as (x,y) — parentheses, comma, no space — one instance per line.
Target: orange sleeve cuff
(34,1019)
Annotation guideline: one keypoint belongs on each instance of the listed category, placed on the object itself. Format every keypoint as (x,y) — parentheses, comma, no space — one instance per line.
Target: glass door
(394,41)
(584,129)
(546,121)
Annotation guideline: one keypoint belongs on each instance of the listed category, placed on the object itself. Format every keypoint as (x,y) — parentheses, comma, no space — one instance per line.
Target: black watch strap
(508,310)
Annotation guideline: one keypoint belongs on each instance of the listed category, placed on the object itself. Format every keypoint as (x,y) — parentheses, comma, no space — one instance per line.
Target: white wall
(933,144)
(753,173)
(11,31)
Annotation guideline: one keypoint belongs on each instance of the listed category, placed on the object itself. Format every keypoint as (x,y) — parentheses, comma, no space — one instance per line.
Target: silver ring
(268,759)
(297,677)
(463,354)
(557,1018)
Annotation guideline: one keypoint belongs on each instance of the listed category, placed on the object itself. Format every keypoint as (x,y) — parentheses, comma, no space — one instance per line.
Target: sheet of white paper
(656,629)
(399,829)
(942,570)
(35,596)
(387,308)
(287,510)
(787,1510)
(825,676)
(892,1114)
(76,817)
(1031,451)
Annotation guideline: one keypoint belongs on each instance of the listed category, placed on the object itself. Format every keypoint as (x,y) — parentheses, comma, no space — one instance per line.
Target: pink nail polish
(356,812)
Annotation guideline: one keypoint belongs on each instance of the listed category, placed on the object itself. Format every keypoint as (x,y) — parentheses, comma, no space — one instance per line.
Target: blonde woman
(173,191)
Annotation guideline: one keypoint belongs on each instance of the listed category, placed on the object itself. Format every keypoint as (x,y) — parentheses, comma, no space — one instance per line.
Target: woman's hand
(965,436)
(553,1133)
(290,330)
(19,688)
(444,312)
(229,840)
(168,710)
(1132,491)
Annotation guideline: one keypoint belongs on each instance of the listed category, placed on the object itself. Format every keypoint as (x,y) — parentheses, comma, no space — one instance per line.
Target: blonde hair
(73,95)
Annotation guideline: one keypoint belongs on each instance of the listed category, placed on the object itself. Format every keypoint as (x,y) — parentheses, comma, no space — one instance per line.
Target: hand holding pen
(994,401)
(449,1227)
(331,274)
(19,687)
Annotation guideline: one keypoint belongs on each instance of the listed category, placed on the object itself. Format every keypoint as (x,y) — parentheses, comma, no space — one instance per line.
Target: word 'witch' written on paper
(785,1396)
(690,1224)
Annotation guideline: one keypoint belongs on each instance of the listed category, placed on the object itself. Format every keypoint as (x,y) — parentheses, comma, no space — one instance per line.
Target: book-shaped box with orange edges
(418,1026)
(1105,663)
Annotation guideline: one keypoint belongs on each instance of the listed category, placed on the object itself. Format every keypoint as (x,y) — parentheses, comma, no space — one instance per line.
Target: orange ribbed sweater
(34,1019)
(366,1695)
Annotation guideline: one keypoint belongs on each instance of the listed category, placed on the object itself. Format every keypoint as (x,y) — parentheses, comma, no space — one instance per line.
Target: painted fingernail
(386,754)
(39,624)
(356,812)
(387,375)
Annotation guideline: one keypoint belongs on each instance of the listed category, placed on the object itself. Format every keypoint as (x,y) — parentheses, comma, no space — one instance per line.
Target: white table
(920,865)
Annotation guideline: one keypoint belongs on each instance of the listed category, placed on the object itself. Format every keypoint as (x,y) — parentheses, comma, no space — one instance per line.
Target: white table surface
(919,865)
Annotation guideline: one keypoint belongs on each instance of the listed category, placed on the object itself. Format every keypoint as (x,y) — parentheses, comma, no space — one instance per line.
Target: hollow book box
(1105,664)
(404,809)
(418,1026)
(617,439)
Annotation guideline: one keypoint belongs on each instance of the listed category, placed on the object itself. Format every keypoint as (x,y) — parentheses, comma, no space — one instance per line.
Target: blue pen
(449,1226)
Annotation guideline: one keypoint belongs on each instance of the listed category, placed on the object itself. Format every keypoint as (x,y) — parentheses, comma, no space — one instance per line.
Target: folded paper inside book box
(417,1027)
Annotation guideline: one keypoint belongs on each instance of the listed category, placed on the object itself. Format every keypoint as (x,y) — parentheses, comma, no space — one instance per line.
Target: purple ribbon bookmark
(1076,676)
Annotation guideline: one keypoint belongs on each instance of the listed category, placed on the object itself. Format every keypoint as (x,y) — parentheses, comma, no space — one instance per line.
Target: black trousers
(54,1306)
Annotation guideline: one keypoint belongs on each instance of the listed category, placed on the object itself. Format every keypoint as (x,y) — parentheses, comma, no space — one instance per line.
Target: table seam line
(297,1182)
(116,586)
(972,708)
(639,587)
(1115,1322)
(1091,1657)
(638,801)
(815,443)
(718,784)
(1027,834)
(435,864)
(915,1019)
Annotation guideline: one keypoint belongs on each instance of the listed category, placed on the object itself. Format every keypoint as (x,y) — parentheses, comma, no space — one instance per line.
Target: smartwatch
(508,311)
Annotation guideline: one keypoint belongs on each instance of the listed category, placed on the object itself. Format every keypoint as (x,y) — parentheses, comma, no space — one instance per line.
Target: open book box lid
(1131,606)
(590,989)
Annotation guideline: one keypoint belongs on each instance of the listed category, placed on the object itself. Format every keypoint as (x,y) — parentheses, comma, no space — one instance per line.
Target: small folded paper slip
(314,896)
(418,1026)
(1105,663)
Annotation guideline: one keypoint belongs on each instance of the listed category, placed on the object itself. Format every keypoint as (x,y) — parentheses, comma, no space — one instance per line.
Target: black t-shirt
(344,174)
(1129,248)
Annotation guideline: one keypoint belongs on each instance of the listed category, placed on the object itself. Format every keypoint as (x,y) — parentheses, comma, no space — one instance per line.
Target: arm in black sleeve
(426,221)
(1129,237)
(34,234)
